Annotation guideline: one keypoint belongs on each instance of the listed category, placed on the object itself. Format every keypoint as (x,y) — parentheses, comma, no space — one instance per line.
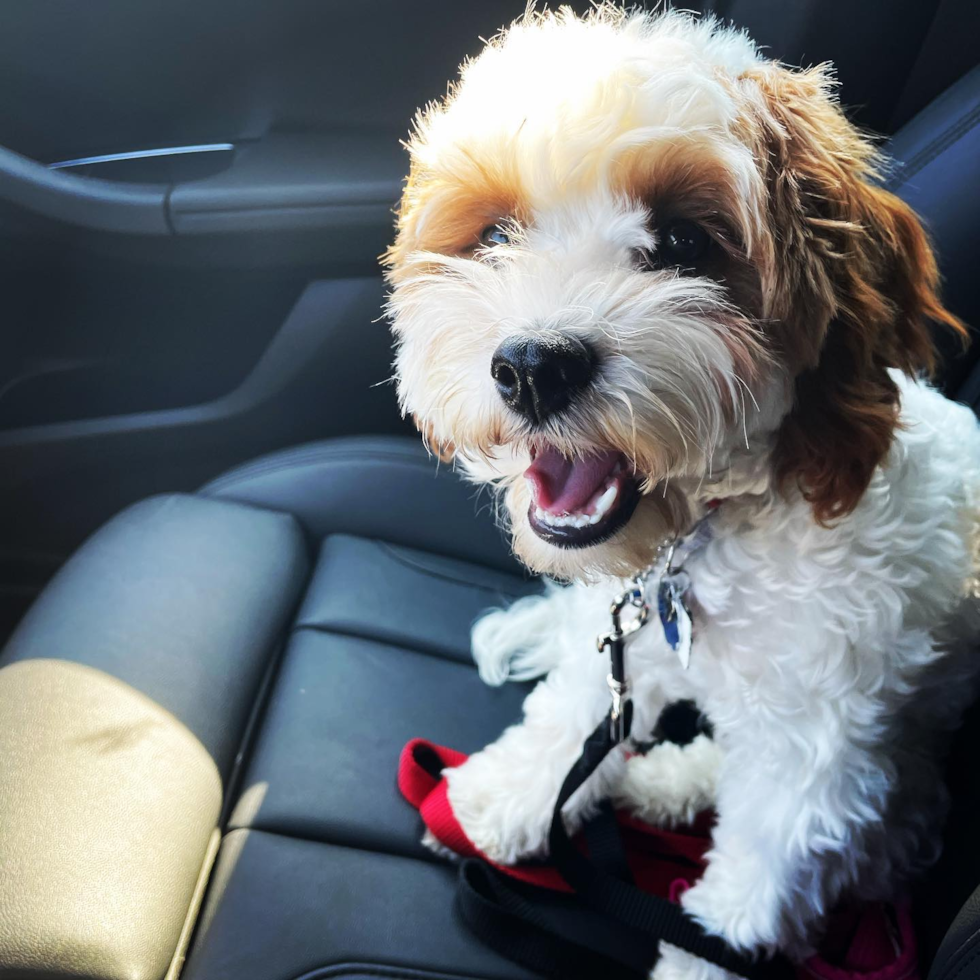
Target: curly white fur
(832,659)
(832,663)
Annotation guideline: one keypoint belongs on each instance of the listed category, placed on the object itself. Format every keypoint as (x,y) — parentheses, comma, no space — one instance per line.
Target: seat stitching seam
(932,150)
(379,970)
(424,857)
(942,142)
(302,461)
(381,641)
(444,576)
(225,483)
(964,946)
(974,955)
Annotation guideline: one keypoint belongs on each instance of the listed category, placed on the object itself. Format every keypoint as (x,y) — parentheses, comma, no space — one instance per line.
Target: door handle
(279,183)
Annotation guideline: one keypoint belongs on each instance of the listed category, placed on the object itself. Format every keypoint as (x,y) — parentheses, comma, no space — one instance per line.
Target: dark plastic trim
(162,151)
(290,351)
(280,183)
(103,205)
(295,181)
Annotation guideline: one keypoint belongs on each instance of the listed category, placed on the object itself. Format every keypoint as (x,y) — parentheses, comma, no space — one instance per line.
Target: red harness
(663,862)
(874,943)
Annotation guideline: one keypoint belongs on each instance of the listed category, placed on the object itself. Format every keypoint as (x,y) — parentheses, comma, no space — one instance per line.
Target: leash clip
(634,596)
(620,713)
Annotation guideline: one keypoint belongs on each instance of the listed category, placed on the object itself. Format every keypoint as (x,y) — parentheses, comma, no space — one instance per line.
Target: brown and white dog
(640,267)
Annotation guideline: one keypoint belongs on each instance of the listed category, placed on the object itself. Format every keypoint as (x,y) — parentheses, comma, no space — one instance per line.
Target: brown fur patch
(854,285)
(445,211)
(689,182)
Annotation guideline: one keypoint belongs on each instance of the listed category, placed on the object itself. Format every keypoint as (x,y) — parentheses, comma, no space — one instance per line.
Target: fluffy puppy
(639,268)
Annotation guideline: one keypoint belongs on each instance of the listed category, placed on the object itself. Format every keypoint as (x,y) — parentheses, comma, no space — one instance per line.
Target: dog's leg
(793,820)
(532,636)
(503,796)
(668,786)
(671,784)
(677,964)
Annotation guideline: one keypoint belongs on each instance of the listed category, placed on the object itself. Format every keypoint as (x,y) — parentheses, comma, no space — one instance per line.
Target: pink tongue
(565,486)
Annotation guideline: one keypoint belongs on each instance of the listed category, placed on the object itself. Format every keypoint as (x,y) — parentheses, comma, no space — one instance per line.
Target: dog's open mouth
(581,501)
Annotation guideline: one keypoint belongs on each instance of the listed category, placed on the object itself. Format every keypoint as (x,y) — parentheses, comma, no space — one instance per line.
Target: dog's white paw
(671,784)
(518,643)
(737,900)
(677,964)
(507,821)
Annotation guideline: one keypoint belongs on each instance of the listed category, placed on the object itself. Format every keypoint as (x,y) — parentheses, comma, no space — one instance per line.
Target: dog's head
(635,259)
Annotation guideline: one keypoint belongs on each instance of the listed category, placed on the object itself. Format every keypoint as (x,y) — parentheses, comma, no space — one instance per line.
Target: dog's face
(630,254)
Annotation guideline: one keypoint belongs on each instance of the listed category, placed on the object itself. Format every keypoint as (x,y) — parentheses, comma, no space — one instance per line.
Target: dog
(646,279)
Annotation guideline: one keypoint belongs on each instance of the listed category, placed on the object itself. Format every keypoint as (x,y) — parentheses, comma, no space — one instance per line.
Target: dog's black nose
(539,377)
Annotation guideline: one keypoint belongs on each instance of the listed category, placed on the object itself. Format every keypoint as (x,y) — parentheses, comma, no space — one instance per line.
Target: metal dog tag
(675,617)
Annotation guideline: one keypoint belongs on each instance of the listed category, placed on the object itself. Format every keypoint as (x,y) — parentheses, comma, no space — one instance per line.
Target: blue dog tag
(675,617)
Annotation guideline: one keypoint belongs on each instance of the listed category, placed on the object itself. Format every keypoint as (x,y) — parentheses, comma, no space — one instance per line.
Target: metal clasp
(635,596)
(619,691)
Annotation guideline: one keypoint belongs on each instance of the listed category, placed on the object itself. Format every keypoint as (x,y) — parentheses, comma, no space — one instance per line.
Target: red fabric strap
(663,863)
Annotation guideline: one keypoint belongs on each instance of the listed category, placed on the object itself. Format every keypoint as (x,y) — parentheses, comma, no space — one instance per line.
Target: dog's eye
(494,235)
(682,243)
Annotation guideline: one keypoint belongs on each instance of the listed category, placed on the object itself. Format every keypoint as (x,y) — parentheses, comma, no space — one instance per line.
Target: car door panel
(171,314)
(151,291)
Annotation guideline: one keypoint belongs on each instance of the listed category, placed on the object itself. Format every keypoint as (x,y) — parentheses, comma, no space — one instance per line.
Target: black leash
(609,924)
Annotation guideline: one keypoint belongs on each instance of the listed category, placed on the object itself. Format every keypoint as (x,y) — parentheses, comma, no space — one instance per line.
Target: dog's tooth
(606,500)
(580,519)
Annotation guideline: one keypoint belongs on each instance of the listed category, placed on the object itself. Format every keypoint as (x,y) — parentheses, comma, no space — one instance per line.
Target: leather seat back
(937,171)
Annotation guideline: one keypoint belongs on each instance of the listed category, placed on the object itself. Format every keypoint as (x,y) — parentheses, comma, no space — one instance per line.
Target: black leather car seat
(202,714)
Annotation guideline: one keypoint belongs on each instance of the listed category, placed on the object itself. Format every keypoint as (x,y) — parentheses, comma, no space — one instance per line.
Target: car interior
(232,582)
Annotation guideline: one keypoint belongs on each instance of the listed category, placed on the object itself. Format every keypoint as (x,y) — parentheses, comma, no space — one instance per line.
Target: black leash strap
(552,934)
(623,901)
(609,924)
(609,927)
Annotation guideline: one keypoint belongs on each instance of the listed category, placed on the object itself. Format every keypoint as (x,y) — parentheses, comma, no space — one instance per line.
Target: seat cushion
(124,698)
(937,163)
(291,909)
(413,598)
(373,487)
(295,623)
(184,599)
(340,713)
(320,847)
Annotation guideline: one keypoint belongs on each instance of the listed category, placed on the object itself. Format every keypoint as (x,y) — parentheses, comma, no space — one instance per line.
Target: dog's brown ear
(443,451)
(853,286)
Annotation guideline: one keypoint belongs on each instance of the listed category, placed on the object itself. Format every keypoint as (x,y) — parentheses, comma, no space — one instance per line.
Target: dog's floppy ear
(853,285)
